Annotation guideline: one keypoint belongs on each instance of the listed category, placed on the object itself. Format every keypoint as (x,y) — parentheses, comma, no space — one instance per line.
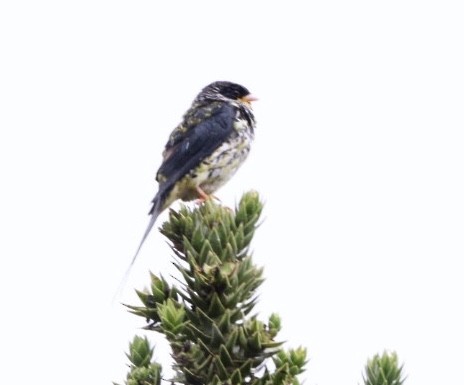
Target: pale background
(358,156)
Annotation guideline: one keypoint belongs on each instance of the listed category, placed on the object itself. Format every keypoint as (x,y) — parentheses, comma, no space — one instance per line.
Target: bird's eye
(232,93)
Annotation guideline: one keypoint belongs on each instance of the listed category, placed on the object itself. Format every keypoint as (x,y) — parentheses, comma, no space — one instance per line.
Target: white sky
(358,155)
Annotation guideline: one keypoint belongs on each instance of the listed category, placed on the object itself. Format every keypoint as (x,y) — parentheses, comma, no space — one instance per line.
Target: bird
(206,149)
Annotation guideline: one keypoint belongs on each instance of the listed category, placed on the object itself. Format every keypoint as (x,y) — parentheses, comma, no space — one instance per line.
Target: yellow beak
(248,98)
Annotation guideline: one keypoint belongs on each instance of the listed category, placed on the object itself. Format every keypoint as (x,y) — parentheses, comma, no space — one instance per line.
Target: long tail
(154,212)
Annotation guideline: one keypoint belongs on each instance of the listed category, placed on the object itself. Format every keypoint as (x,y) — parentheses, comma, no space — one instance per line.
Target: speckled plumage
(205,150)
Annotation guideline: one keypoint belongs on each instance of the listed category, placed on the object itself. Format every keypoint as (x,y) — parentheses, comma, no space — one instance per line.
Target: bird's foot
(203,196)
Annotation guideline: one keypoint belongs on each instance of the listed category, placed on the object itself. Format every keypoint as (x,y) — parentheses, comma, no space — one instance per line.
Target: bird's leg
(203,196)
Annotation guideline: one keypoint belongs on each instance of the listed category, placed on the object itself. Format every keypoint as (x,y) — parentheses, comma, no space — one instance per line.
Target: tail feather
(154,212)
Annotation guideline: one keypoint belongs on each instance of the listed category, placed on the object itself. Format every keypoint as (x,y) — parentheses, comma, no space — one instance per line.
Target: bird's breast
(215,170)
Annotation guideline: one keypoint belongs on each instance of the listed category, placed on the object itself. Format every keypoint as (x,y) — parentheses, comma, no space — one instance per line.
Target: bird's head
(226,91)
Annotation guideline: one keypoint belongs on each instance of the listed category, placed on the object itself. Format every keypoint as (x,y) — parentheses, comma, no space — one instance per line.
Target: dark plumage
(206,148)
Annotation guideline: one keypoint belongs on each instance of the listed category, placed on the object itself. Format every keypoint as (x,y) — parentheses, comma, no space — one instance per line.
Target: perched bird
(205,150)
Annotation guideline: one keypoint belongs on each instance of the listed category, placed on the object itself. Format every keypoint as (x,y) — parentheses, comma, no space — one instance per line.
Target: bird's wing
(192,118)
(196,144)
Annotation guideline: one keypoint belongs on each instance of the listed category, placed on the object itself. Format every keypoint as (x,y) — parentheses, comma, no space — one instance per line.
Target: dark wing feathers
(193,117)
(196,144)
